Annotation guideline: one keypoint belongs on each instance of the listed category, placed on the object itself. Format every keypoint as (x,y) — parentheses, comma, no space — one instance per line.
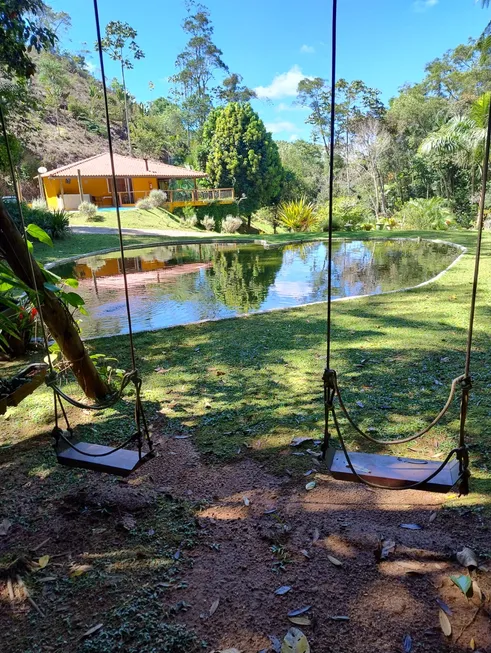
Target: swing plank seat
(392,471)
(119,463)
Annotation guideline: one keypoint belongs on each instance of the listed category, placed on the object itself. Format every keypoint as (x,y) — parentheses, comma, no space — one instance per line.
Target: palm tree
(462,138)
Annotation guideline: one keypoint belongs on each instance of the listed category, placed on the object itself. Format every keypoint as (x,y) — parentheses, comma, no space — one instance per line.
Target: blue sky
(274,43)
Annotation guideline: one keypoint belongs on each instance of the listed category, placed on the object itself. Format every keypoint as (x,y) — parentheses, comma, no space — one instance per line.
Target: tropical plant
(231,224)
(208,223)
(157,197)
(322,212)
(367,226)
(87,210)
(421,214)
(57,223)
(298,216)
(268,215)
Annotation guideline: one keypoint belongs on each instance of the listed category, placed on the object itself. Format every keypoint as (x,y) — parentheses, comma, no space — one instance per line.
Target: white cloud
(91,67)
(294,137)
(283,85)
(421,6)
(280,126)
(282,106)
(307,49)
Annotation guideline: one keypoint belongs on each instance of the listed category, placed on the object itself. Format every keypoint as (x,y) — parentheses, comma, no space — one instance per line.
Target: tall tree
(304,168)
(119,42)
(237,151)
(158,132)
(55,82)
(19,32)
(315,95)
(197,64)
(232,90)
(22,31)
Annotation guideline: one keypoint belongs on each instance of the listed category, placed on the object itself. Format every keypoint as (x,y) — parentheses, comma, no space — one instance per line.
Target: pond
(177,284)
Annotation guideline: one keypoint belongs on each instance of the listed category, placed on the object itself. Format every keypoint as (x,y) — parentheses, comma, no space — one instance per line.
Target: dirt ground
(257,533)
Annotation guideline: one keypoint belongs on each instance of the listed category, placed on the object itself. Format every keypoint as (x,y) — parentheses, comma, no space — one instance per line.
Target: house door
(124,188)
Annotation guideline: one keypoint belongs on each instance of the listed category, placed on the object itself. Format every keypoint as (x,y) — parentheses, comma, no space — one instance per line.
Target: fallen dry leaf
(305,553)
(445,624)
(214,607)
(43,561)
(247,501)
(476,590)
(444,607)
(472,644)
(407,643)
(315,535)
(467,558)
(310,486)
(282,590)
(296,442)
(411,527)
(299,611)
(432,517)
(464,583)
(5,526)
(295,642)
(92,630)
(335,561)
(78,570)
(300,621)
(229,650)
(340,617)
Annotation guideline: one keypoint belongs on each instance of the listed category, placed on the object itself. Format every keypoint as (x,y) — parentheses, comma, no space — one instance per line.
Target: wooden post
(80,187)
(62,193)
(58,320)
(195,190)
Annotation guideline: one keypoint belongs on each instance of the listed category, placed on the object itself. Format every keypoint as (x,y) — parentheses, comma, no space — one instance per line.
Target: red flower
(34,312)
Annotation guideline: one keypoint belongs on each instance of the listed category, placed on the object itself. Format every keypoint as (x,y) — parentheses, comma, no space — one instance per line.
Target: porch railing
(190,196)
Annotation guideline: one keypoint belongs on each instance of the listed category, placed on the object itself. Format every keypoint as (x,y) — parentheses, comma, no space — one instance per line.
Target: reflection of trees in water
(374,266)
(241,279)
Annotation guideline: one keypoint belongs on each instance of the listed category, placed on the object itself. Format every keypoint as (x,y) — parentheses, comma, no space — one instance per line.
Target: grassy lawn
(152,219)
(245,387)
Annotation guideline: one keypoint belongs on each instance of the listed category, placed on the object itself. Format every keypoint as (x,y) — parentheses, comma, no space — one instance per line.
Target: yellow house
(90,180)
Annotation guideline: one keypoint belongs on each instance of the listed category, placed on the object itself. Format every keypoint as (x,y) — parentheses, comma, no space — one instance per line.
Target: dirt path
(382,602)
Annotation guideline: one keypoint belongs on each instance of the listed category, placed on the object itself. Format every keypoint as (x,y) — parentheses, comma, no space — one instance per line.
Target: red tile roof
(125,166)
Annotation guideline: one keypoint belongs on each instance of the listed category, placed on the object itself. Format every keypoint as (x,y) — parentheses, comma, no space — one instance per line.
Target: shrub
(145,204)
(208,223)
(231,224)
(298,215)
(192,221)
(322,213)
(39,203)
(157,198)
(349,210)
(87,210)
(55,223)
(431,213)
(367,226)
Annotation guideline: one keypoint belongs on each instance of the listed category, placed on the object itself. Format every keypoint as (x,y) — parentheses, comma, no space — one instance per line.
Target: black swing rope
(331,387)
(142,431)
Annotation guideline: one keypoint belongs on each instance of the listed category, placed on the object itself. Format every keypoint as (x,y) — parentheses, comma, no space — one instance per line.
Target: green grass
(245,387)
(153,219)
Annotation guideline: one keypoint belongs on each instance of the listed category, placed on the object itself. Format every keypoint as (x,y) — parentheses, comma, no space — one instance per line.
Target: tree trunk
(127,119)
(56,317)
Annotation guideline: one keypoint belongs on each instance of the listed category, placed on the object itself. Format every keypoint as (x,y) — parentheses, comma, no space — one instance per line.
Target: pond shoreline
(268,245)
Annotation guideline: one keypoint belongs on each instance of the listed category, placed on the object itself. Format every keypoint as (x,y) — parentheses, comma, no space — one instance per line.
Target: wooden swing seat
(119,463)
(392,471)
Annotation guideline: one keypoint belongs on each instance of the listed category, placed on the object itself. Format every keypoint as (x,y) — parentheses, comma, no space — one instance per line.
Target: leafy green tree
(315,95)
(118,40)
(304,168)
(237,151)
(22,31)
(158,132)
(232,90)
(55,82)
(197,64)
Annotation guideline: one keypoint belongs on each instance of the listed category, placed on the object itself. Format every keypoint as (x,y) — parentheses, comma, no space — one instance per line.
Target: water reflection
(177,284)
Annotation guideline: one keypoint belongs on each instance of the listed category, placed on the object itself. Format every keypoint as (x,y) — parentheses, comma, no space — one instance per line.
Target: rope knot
(329,378)
(466,383)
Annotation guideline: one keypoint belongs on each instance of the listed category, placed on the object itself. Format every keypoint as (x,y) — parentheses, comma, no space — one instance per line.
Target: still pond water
(178,284)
